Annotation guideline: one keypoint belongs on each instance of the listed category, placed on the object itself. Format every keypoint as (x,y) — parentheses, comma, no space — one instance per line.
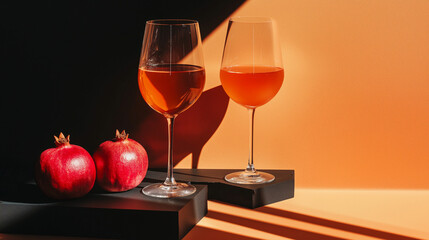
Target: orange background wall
(353,111)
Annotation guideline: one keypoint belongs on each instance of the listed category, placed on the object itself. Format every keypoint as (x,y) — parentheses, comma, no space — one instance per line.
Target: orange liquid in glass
(171,89)
(251,86)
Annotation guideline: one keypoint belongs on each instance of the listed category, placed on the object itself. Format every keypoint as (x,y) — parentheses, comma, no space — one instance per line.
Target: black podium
(131,215)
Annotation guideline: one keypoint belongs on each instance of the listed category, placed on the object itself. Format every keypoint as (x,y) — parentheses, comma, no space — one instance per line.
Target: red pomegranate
(121,164)
(66,171)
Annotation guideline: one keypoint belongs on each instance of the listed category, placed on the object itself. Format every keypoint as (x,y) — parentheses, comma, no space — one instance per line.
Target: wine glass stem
(250,167)
(170,181)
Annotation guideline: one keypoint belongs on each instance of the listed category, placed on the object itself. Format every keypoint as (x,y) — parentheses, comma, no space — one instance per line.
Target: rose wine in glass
(251,74)
(171,89)
(171,78)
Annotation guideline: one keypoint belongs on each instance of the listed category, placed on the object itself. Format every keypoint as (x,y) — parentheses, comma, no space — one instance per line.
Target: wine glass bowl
(171,78)
(244,86)
(171,89)
(251,74)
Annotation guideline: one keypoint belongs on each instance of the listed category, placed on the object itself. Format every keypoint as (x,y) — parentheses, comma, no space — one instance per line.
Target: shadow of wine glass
(193,128)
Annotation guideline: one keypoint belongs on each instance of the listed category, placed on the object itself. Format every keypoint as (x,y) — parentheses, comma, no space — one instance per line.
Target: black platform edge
(250,196)
(126,215)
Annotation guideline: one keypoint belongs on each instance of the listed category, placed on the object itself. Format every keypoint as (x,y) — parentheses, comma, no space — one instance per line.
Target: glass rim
(251,19)
(173,22)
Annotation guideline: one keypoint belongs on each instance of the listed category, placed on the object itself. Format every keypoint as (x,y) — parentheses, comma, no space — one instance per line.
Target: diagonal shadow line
(334,224)
(205,233)
(276,229)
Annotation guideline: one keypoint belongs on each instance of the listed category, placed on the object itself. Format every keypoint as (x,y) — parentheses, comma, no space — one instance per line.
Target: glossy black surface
(126,215)
(246,195)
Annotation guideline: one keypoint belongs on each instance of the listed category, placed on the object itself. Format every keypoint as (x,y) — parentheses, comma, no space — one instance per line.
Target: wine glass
(251,74)
(171,78)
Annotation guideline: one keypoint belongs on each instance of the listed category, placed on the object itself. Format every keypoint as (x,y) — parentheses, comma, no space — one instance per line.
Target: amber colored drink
(171,89)
(251,86)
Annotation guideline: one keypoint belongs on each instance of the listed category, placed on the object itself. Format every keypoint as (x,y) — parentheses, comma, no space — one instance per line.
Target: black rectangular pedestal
(250,196)
(126,215)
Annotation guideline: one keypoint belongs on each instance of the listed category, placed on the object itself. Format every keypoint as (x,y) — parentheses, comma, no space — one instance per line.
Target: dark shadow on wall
(192,129)
(72,67)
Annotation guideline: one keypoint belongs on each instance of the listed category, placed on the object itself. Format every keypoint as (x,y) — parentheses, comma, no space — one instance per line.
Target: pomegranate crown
(62,140)
(121,135)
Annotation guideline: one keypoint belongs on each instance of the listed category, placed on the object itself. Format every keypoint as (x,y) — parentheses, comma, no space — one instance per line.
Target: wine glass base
(159,190)
(245,177)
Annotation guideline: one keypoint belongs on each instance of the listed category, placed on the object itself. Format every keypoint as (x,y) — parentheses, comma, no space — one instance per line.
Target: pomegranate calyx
(121,136)
(62,140)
